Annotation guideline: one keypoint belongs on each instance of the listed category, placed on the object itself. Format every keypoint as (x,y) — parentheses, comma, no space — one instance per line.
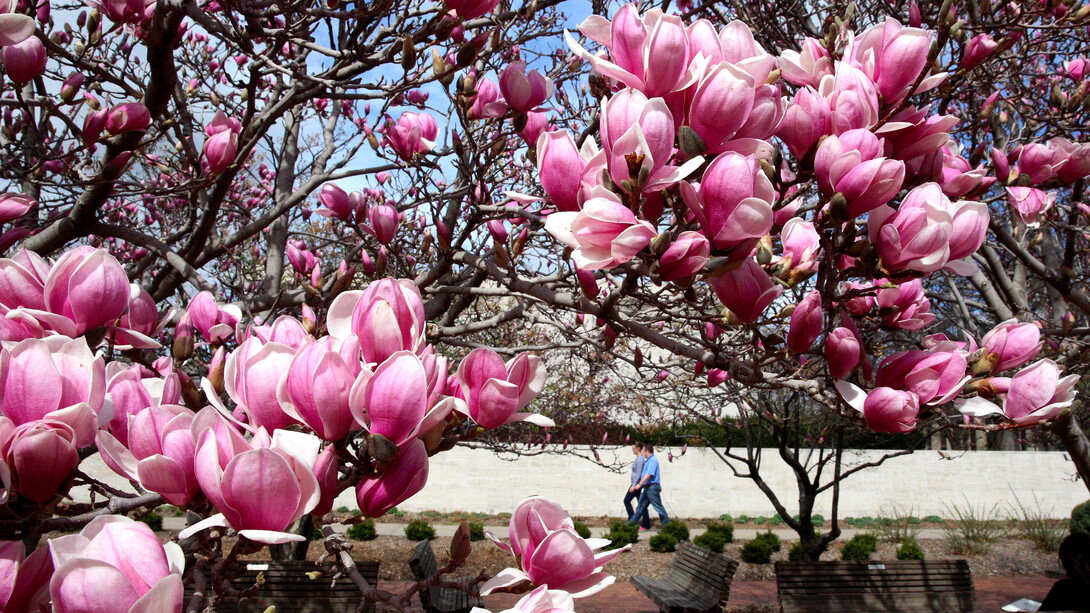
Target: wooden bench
(910,586)
(287,586)
(699,581)
(438,599)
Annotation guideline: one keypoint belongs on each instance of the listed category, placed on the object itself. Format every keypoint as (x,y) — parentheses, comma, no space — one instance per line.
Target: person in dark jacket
(1072,593)
(629,495)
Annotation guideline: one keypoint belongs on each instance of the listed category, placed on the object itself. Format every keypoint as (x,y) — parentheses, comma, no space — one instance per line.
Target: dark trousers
(645,519)
(651,495)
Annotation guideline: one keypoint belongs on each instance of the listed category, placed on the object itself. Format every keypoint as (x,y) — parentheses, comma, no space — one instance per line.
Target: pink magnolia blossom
(685,256)
(560,166)
(732,202)
(894,56)
(1038,393)
(720,105)
(260,487)
(852,98)
(917,235)
(1036,160)
(314,389)
(852,164)
(121,11)
(495,392)
(806,323)
(128,117)
(250,377)
(384,222)
(14,205)
(487,102)
(341,205)
(222,142)
(115,565)
(536,125)
(1030,203)
(216,323)
(134,389)
(1075,158)
(648,53)
(916,132)
(977,50)
(891,410)
(386,317)
(805,121)
(1077,68)
(634,125)
(935,376)
(1013,344)
(911,307)
(524,91)
(604,234)
(159,454)
(471,9)
(801,244)
(55,378)
(38,457)
(24,580)
(414,133)
(549,552)
(14,26)
(957,177)
(396,400)
(842,352)
(746,290)
(25,60)
(402,478)
(806,67)
(88,287)
(540,600)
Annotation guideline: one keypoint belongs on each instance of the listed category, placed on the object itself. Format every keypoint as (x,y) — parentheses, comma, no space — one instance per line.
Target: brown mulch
(1005,558)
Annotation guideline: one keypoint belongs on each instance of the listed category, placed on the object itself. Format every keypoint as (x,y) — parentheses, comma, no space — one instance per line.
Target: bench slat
(699,581)
(287,587)
(436,599)
(901,586)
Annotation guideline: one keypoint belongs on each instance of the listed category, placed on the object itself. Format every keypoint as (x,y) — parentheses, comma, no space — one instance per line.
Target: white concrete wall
(699,485)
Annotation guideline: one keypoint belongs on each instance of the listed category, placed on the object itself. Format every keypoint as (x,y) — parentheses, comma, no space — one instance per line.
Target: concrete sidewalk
(745,534)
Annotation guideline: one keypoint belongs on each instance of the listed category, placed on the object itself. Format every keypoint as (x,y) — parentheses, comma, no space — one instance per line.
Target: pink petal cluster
(115,565)
(36,459)
(412,134)
(928,231)
(604,234)
(24,580)
(746,290)
(732,203)
(852,165)
(159,453)
(495,392)
(222,142)
(549,552)
(1013,344)
(340,204)
(216,323)
(524,91)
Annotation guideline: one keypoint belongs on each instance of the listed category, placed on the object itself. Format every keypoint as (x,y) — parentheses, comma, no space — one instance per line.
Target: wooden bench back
(287,586)
(424,565)
(698,570)
(922,586)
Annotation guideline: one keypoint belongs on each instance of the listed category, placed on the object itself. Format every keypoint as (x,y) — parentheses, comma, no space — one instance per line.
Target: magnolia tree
(875,210)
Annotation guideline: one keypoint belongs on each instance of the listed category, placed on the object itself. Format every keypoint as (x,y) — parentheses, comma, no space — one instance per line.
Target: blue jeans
(651,495)
(645,519)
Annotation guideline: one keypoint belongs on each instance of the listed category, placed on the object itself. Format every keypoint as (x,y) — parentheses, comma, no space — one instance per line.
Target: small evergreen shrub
(859,548)
(795,553)
(761,548)
(742,519)
(677,529)
(726,517)
(910,550)
(621,534)
(934,519)
(759,521)
(363,531)
(1080,518)
(582,530)
(476,531)
(817,520)
(776,520)
(715,537)
(419,530)
(154,521)
(662,542)
(343,509)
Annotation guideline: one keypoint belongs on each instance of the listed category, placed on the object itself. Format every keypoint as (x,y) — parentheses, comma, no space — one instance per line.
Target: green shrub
(419,530)
(476,531)
(817,520)
(662,542)
(934,519)
(677,529)
(153,520)
(726,517)
(795,553)
(759,521)
(724,530)
(761,548)
(913,520)
(776,520)
(742,519)
(859,548)
(582,530)
(711,542)
(621,534)
(343,509)
(396,513)
(1080,518)
(910,550)
(363,531)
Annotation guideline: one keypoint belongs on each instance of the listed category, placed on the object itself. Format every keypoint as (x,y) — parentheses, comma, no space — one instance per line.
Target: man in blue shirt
(633,490)
(651,482)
